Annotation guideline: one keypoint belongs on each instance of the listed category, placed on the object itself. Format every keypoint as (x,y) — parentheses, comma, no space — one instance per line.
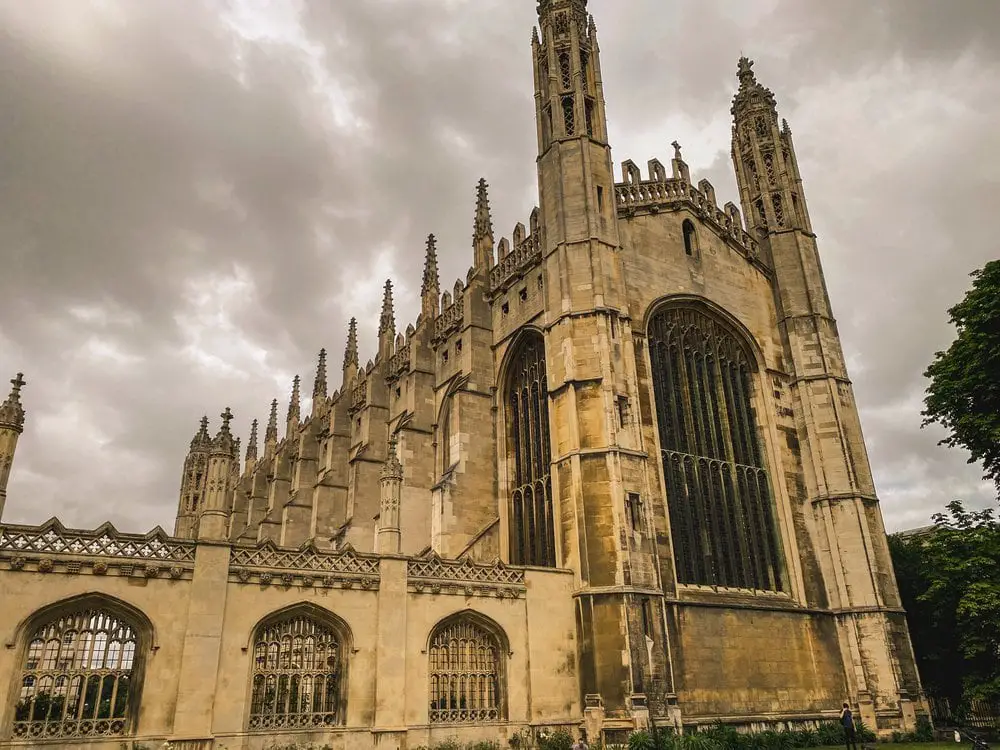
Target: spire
(387,321)
(292,419)
(223,442)
(11,411)
(482,230)
(202,440)
(351,350)
(430,288)
(319,385)
(252,443)
(271,434)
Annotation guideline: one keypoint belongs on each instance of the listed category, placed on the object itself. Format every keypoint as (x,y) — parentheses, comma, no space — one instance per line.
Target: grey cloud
(188,216)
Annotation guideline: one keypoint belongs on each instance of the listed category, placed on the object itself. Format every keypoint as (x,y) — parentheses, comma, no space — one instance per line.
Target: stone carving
(460,577)
(296,566)
(105,541)
(524,257)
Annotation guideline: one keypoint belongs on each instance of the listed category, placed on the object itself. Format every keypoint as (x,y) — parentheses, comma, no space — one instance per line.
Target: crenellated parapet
(517,257)
(659,192)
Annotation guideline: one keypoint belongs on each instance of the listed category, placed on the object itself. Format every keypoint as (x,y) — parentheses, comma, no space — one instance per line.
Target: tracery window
(532,537)
(78,677)
(568,115)
(718,491)
(298,674)
(466,673)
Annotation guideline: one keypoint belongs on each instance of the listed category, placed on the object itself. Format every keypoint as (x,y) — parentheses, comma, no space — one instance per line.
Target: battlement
(635,196)
(526,253)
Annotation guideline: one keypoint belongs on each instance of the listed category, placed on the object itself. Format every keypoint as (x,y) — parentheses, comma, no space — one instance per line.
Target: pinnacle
(252,442)
(351,350)
(319,386)
(483,226)
(11,411)
(201,438)
(387,320)
(431,283)
(751,94)
(271,435)
(224,439)
(293,403)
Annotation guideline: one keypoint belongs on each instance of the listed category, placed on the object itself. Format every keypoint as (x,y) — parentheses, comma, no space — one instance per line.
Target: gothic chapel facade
(615,477)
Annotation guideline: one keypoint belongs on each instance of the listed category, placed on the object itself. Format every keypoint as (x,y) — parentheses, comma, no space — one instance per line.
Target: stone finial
(751,95)
(319,385)
(387,320)
(483,225)
(430,287)
(294,413)
(202,440)
(677,151)
(392,468)
(223,442)
(351,350)
(271,434)
(11,410)
(252,442)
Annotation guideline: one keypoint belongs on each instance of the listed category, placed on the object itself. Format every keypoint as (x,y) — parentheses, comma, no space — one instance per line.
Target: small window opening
(458,346)
(523,294)
(444,356)
(647,617)
(633,503)
(614,328)
(690,241)
(505,308)
(600,200)
(399,392)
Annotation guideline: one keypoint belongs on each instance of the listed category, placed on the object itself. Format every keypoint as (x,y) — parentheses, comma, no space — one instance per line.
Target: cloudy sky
(195,197)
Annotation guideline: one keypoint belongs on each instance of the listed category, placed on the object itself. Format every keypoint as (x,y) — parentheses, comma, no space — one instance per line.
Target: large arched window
(299,672)
(79,676)
(467,678)
(718,493)
(532,539)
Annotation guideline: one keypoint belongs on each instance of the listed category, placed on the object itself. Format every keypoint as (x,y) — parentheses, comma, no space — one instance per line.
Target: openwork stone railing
(450,319)
(52,547)
(359,395)
(399,363)
(464,577)
(520,259)
(653,195)
(308,566)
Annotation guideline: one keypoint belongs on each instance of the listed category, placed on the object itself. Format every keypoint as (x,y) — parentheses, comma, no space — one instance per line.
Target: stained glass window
(718,492)
(466,674)
(77,677)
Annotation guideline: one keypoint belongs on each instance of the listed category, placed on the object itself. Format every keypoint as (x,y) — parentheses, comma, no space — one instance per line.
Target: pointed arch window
(467,676)
(718,490)
(79,676)
(532,537)
(690,238)
(299,673)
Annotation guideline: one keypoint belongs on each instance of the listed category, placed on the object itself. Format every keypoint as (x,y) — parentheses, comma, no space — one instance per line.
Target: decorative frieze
(267,564)
(435,575)
(52,548)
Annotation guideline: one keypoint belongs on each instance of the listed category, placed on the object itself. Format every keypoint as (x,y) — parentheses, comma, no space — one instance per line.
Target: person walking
(850,733)
(581,744)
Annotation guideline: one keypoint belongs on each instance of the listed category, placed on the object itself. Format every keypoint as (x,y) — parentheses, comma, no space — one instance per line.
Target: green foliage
(641,741)
(964,392)
(558,740)
(950,587)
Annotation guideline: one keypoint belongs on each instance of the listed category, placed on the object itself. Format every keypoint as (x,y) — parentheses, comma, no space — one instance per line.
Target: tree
(964,392)
(949,581)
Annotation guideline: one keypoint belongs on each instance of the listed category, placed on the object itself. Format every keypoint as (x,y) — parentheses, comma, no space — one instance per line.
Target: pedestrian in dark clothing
(850,733)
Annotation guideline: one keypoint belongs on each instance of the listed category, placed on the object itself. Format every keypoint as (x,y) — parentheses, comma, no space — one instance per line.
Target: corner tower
(194,481)
(590,377)
(842,511)
(11,426)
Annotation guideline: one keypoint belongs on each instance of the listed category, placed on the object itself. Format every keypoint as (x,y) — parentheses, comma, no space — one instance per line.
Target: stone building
(614,477)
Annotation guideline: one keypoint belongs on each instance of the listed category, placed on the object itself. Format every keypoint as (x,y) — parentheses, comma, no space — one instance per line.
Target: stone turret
(213,521)
(194,480)
(391,482)
(11,426)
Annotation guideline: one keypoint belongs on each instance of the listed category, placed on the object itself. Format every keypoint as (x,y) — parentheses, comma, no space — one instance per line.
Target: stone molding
(434,575)
(268,564)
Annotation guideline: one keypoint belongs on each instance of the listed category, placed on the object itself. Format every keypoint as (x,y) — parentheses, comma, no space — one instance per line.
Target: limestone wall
(202,603)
